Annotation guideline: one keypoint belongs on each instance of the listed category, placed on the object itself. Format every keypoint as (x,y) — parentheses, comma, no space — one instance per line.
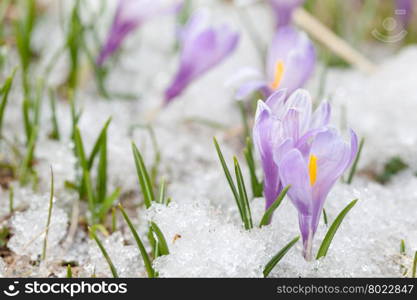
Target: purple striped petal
(202,49)
(283,10)
(297,54)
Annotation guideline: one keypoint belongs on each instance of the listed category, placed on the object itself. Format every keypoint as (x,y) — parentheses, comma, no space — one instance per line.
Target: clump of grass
(99,201)
(393,166)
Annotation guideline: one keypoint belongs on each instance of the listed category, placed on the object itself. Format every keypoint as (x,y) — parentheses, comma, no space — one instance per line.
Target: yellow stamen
(279,73)
(312,169)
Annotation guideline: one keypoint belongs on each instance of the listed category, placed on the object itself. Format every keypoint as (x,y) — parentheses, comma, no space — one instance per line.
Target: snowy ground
(201,225)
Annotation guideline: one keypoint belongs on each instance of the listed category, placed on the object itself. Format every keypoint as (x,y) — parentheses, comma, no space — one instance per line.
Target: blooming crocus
(131,14)
(283,10)
(290,63)
(202,48)
(312,174)
(279,121)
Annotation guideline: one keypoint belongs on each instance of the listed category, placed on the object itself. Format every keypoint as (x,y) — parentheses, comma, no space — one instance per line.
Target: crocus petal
(301,101)
(283,10)
(293,171)
(405,11)
(248,88)
(201,50)
(297,54)
(264,137)
(130,14)
(321,116)
(276,102)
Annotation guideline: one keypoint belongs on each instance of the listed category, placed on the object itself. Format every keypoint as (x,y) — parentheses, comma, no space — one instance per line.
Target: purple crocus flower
(290,63)
(279,121)
(283,10)
(202,48)
(312,174)
(131,14)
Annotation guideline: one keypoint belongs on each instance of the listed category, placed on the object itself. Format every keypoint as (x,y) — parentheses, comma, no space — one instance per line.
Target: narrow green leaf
(105,254)
(244,201)
(273,262)
(355,162)
(162,192)
(163,247)
(28,159)
(414,271)
(144,254)
(91,200)
(107,204)
(79,149)
(332,230)
(113,219)
(326,222)
(55,134)
(69,271)
(402,247)
(98,143)
(256,185)
(5,96)
(48,221)
(102,170)
(143,176)
(229,178)
(26,119)
(268,213)
(11,199)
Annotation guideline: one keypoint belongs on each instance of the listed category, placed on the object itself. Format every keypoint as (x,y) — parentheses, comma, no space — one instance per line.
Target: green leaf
(268,214)
(107,204)
(326,222)
(163,247)
(91,199)
(48,222)
(79,149)
(102,170)
(332,230)
(143,177)
(142,250)
(414,270)
(162,192)
(273,262)
(5,96)
(229,178)
(55,134)
(355,162)
(105,254)
(98,144)
(244,201)
(391,168)
(256,185)
(402,247)
(69,271)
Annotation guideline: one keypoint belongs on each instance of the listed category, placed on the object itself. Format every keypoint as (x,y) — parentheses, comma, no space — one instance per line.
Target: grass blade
(105,254)
(69,271)
(268,214)
(145,257)
(97,144)
(229,177)
(163,247)
(55,134)
(5,96)
(332,230)
(244,201)
(48,222)
(91,200)
(162,192)
(414,271)
(143,176)
(107,204)
(355,162)
(257,187)
(273,262)
(102,170)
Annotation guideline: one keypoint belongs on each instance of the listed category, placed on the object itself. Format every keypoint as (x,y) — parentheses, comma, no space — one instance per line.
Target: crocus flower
(131,14)
(278,122)
(312,174)
(290,63)
(202,48)
(283,10)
